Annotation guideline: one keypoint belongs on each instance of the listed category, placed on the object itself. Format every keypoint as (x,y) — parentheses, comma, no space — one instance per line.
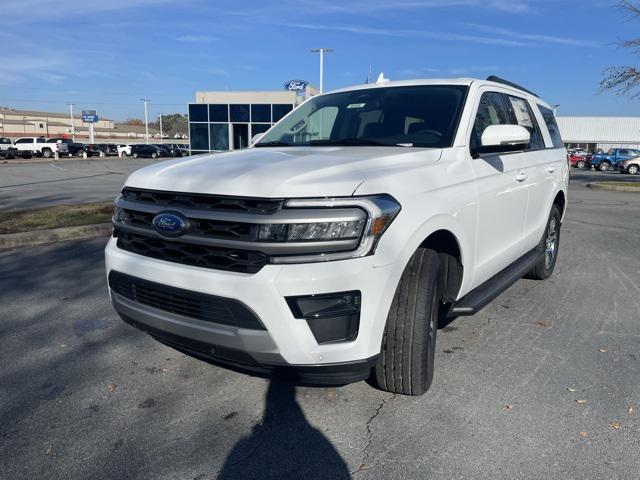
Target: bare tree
(625,80)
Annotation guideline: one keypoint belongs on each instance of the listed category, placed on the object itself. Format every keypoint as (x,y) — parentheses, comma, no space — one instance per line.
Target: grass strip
(15,221)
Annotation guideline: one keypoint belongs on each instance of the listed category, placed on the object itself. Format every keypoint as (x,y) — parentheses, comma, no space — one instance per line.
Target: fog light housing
(332,317)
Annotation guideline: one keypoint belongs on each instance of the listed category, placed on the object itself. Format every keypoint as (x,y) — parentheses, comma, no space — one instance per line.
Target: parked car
(75,149)
(145,151)
(124,150)
(9,151)
(180,149)
(40,147)
(164,150)
(109,149)
(95,150)
(578,161)
(630,166)
(332,265)
(609,160)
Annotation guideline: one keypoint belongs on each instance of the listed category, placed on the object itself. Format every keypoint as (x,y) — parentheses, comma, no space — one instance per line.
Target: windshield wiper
(352,142)
(273,143)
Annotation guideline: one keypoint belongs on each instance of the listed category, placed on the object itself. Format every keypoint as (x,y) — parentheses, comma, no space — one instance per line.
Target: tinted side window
(552,126)
(24,140)
(523,116)
(491,111)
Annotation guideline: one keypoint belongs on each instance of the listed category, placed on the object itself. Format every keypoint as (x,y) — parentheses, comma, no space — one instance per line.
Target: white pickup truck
(40,147)
(330,251)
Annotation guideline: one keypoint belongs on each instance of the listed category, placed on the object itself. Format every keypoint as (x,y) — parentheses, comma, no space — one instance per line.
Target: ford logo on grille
(170,224)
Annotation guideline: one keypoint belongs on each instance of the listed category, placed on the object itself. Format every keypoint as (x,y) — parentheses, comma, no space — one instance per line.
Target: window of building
(219,112)
(239,113)
(261,113)
(280,110)
(198,113)
(552,126)
(219,136)
(199,136)
(259,128)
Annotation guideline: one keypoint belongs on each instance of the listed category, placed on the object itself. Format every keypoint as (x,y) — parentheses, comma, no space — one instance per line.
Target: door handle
(551,168)
(521,177)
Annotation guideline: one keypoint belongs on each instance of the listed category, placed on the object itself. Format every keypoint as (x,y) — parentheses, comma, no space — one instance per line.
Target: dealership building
(592,133)
(227,120)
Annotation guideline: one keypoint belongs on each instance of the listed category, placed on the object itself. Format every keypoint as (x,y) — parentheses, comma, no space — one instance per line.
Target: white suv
(329,251)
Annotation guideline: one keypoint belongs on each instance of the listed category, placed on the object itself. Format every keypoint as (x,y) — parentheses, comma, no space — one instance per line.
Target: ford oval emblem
(170,224)
(296,85)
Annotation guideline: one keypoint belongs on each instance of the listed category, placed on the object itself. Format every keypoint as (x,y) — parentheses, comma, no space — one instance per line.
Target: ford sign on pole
(296,85)
(89,116)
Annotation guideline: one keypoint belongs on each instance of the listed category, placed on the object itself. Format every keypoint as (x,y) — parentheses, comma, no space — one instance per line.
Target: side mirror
(256,138)
(503,138)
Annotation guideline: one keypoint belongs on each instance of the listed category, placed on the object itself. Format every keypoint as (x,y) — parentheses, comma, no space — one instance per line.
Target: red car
(578,161)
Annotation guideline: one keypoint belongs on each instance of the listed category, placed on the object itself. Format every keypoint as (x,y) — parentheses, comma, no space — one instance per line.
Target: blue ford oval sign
(170,224)
(296,85)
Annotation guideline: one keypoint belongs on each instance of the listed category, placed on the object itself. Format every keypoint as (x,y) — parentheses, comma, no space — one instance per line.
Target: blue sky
(107,54)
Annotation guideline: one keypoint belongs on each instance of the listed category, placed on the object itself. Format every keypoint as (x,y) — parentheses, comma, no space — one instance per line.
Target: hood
(281,172)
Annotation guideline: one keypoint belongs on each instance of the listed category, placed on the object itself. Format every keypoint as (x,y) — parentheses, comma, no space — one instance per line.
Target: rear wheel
(154,155)
(633,169)
(406,362)
(604,166)
(46,153)
(549,244)
(135,155)
(581,164)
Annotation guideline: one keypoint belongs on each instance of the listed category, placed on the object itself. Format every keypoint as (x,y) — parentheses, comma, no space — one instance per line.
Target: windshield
(423,116)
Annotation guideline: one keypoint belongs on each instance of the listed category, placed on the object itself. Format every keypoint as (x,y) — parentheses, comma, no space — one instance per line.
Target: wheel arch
(447,245)
(560,201)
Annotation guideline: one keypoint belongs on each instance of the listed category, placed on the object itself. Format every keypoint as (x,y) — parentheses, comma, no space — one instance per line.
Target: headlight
(380,212)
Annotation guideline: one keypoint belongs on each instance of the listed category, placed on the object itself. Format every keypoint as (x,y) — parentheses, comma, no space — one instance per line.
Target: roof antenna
(381,78)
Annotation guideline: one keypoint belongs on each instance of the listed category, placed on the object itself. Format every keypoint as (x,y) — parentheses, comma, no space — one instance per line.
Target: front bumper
(285,341)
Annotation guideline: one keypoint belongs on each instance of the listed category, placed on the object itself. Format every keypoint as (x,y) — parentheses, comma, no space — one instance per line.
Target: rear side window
(550,121)
(24,140)
(501,109)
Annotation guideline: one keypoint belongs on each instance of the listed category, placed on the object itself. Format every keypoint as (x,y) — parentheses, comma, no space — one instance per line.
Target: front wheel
(604,166)
(580,164)
(549,243)
(46,153)
(154,155)
(633,169)
(406,362)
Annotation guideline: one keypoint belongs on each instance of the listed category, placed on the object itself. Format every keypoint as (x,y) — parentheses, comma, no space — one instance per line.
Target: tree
(133,121)
(172,123)
(625,80)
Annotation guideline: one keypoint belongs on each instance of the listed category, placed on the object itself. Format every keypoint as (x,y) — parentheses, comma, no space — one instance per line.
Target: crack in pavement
(362,466)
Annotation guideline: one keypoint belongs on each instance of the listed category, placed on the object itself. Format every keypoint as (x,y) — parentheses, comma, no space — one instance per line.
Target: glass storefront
(221,126)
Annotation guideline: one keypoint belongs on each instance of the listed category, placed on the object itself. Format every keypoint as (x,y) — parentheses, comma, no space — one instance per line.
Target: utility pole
(322,51)
(161,137)
(73,129)
(146,119)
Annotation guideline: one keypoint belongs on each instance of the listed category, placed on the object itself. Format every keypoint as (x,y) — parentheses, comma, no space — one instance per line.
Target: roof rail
(493,78)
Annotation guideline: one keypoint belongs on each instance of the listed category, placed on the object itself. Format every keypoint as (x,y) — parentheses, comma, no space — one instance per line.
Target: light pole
(73,129)
(161,137)
(146,119)
(322,51)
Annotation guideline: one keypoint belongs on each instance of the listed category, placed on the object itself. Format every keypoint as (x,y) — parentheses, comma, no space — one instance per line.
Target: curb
(51,235)
(632,187)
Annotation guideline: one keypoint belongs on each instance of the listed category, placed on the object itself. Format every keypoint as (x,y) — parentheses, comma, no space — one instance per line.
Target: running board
(477,299)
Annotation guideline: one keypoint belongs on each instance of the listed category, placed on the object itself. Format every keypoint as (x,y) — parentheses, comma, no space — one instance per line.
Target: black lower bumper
(240,361)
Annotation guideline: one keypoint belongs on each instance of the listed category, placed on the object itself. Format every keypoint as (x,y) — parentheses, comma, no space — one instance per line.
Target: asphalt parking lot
(59,182)
(542,384)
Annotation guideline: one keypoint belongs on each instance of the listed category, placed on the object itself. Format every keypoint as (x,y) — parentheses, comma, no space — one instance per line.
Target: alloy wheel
(551,242)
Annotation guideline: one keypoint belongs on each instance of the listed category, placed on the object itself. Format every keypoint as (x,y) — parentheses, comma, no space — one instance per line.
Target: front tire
(549,244)
(406,362)
(46,153)
(632,170)
(604,166)
(581,164)
(154,155)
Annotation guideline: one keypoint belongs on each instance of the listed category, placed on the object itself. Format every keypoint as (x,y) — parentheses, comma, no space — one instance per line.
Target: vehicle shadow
(284,445)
